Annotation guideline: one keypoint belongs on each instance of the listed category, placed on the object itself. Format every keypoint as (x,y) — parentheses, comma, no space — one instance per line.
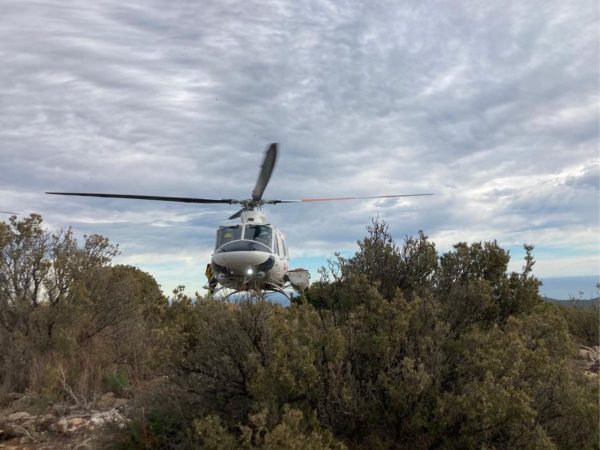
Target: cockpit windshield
(259,233)
(228,234)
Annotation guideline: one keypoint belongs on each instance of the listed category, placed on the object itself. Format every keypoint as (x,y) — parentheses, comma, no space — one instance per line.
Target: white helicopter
(252,255)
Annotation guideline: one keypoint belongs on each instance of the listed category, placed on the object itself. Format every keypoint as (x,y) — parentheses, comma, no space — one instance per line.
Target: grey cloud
(180,98)
(588,179)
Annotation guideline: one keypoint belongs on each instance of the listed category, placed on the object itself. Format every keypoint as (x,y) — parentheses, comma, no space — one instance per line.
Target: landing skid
(257,293)
(280,291)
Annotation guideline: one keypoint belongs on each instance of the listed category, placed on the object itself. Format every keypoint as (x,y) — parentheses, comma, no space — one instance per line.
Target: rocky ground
(68,427)
(589,360)
(86,426)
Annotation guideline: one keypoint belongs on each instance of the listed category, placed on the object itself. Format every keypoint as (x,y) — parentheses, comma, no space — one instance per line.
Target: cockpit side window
(228,234)
(285,250)
(279,242)
(259,233)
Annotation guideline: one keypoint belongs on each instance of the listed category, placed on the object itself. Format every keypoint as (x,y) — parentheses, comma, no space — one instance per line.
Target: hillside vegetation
(396,347)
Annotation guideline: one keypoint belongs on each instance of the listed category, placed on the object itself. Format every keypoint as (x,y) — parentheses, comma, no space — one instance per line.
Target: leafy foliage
(396,347)
(67,317)
(583,322)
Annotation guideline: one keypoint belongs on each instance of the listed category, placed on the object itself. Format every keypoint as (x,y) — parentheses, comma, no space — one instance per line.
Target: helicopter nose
(243,245)
(241,262)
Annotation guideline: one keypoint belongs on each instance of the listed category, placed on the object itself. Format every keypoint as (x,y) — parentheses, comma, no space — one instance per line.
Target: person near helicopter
(212,280)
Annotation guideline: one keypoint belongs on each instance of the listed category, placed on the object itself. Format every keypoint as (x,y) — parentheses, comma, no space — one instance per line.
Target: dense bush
(396,347)
(583,319)
(437,352)
(70,323)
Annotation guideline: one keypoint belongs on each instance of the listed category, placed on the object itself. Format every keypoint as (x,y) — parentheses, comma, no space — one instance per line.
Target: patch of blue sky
(566,288)
(542,251)
(314,263)
(558,260)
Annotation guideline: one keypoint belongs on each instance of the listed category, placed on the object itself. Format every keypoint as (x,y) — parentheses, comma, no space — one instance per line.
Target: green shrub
(117,382)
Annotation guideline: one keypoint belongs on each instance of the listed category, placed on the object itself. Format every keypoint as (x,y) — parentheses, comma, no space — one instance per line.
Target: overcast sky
(491,105)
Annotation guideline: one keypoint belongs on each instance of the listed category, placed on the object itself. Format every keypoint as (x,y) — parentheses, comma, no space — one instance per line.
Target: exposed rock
(112,416)
(30,423)
(589,359)
(62,426)
(75,428)
(75,421)
(586,353)
(97,420)
(15,417)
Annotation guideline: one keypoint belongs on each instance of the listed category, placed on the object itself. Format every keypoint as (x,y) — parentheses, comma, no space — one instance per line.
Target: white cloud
(492,106)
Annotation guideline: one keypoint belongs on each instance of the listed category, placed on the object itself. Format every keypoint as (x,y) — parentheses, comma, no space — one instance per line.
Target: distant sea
(558,288)
(566,288)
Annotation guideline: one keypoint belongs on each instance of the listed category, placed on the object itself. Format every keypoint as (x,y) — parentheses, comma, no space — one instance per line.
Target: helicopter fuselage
(250,255)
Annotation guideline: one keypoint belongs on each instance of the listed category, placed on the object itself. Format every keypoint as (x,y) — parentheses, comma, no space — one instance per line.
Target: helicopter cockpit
(228,234)
(249,237)
(259,233)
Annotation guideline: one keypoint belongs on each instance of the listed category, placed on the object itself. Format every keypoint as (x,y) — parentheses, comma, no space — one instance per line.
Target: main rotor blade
(237,214)
(265,172)
(230,201)
(8,212)
(331,199)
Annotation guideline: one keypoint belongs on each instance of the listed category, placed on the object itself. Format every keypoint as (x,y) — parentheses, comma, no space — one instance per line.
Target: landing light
(249,271)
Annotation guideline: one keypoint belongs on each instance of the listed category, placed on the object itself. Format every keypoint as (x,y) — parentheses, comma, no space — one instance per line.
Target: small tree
(66,314)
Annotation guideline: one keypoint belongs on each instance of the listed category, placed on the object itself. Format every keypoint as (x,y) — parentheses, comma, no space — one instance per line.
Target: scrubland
(396,347)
